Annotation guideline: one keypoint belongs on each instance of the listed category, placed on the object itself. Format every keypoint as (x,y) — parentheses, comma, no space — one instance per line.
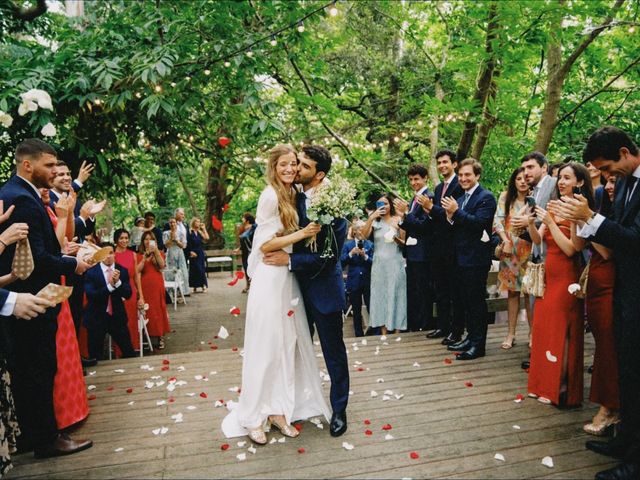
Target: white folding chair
(143,332)
(173,286)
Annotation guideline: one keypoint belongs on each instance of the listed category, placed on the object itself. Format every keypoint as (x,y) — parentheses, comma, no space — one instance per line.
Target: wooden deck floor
(455,428)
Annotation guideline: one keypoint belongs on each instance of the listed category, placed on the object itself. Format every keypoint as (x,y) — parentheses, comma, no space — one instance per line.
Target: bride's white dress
(279,373)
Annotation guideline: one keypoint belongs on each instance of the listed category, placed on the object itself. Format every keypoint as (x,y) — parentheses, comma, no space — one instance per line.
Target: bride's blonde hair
(286,196)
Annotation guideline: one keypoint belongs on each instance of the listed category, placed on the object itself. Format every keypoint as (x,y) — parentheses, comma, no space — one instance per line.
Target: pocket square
(56,293)
(22,265)
(485,236)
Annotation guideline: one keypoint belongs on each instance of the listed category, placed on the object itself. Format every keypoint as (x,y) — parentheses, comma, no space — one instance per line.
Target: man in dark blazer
(417,225)
(321,282)
(357,255)
(450,319)
(106,286)
(612,151)
(471,218)
(32,361)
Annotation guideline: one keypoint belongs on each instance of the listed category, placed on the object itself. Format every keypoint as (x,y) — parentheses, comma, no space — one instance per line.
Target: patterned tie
(109,277)
(466,199)
(301,200)
(22,265)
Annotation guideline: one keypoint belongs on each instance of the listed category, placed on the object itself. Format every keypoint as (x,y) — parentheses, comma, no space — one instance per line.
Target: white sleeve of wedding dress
(268,221)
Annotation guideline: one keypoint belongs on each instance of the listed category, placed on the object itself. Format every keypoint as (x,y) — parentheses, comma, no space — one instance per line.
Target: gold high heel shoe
(258,436)
(285,429)
(606,426)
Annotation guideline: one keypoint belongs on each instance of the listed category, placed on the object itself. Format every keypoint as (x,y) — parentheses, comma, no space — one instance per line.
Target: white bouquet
(333,199)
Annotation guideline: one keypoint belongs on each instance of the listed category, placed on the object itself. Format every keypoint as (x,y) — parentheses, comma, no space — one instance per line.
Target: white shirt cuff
(78,182)
(9,304)
(591,227)
(112,288)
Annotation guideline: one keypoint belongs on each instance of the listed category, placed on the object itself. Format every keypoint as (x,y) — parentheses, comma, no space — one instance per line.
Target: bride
(280,381)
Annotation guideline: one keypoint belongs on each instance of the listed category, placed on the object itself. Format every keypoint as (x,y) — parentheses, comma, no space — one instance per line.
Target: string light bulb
(207,72)
(273,41)
(97,101)
(420,123)
(333,10)
(158,88)
(396,139)
(187,78)
(227,64)
(632,29)
(250,53)
(300,27)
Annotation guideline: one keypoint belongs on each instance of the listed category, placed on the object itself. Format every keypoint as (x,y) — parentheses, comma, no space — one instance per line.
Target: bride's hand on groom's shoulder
(311,229)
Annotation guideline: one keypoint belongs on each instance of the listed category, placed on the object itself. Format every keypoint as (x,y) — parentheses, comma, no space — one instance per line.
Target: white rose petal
(388,436)
(380,380)
(385,398)
(551,357)
(516,427)
(573,288)
(364,341)
(416,364)
(252,450)
(241,457)
(547,462)
(374,394)
(411,241)
(347,446)
(499,456)
(91,387)
(241,444)
(6,120)
(119,449)
(223,333)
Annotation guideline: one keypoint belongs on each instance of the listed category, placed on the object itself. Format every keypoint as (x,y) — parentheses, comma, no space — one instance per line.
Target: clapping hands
(450,205)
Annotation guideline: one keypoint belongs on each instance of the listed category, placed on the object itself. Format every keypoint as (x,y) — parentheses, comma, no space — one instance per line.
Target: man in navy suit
(471,218)
(417,225)
(106,285)
(321,282)
(612,151)
(443,261)
(357,254)
(32,361)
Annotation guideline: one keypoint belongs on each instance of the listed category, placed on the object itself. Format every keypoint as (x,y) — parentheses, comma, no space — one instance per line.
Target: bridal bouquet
(333,199)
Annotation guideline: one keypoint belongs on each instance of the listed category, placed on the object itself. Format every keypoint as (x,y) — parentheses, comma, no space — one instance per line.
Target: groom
(321,282)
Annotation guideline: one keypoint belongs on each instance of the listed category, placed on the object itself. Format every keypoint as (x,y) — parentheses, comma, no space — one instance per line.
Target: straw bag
(584,280)
(533,280)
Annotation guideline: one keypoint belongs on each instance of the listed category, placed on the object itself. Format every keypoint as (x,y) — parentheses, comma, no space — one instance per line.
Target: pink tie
(109,304)
(444,190)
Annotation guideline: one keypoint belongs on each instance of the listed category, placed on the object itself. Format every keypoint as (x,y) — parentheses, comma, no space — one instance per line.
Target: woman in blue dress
(197,260)
(388,277)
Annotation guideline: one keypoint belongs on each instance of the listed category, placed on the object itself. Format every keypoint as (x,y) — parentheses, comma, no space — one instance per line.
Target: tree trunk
(187,191)
(434,135)
(489,119)
(555,82)
(484,84)
(216,196)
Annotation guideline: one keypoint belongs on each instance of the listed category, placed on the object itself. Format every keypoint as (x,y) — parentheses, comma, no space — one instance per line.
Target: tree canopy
(177,103)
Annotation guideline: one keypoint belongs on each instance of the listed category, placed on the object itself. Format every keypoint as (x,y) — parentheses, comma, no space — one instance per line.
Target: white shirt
(470,193)
(590,228)
(182,231)
(31,185)
(9,305)
(105,272)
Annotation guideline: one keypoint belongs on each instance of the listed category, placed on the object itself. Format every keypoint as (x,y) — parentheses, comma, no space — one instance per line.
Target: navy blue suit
(418,225)
(358,279)
(443,263)
(96,319)
(32,359)
(473,260)
(324,300)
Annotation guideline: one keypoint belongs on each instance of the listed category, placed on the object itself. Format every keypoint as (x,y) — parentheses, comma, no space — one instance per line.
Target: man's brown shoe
(62,445)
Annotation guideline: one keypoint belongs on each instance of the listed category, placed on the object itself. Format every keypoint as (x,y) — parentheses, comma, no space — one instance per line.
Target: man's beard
(41,181)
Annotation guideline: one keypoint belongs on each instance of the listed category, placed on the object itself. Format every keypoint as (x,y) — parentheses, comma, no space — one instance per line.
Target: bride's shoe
(258,436)
(285,429)
(602,424)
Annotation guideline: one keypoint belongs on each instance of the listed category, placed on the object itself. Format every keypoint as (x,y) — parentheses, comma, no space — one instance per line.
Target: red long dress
(69,390)
(152,283)
(558,332)
(127,260)
(604,381)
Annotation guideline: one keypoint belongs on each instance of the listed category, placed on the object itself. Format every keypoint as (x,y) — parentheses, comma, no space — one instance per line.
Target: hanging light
(396,139)
(632,29)
(207,72)
(158,88)
(300,27)
(273,41)
(420,123)
(333,10)
(227,63)
(187,78)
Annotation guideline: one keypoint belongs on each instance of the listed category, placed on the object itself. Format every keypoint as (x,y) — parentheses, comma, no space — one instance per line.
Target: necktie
(631,182)
(109,277)
(301,200)
(466,199)
(444,190)
(22,265)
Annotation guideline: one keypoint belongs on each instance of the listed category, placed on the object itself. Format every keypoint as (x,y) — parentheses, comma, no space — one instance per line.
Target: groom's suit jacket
(320,278)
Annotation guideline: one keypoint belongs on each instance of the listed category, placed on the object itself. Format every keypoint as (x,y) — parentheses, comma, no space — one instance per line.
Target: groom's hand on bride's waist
(279,258)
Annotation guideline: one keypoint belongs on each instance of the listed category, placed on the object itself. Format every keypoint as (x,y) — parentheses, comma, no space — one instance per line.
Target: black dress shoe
(624,471)
(89,362)
(338,424)
(62,445)
(450,339)
(610,449)
(437,333)
(462,346)
(525,364)
(471,354)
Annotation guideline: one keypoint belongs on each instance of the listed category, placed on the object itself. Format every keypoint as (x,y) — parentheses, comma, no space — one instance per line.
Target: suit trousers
(419,302)
(471,295)
(114,326)
(32,365)
(329,328)
(627,335)
(355,298)
(450,317)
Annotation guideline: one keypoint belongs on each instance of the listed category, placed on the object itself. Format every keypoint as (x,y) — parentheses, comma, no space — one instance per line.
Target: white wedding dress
(280,373)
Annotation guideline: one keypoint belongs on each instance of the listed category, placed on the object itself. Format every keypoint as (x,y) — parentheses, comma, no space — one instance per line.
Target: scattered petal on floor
(374,394)
(241,444)
(383,338)
(91,387)
(368,432)
(398,339)
(547,462)
(367,422)
(191,407)
(448,361)
(119,370)
(516,427)
(119,449)
(388,436)
(252,450)
(380,380)
(235,311)
(387,427)
(160,402)
(224,446)
(295,301)
(347,446)
(416,364)
(519,398)
(363,341)
(92,373)
(282,440)
(499,456)
(385,398)
(301,450)
(399,396)
(414,455)
(468,384)
(241,457)
(177,417)
(273,440)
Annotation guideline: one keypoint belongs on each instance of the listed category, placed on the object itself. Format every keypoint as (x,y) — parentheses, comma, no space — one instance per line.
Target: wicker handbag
(533,280)
(583,281)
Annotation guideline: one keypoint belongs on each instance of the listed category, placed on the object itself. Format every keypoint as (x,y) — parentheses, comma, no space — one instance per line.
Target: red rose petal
(233,282)
(414,455)
(468,384)
(235,311)
(165,368)
(171,400)
(224,446)
(214,347)
(240,274)
(165,362)
(234,349)
(92,397)
(223,141)
(129,390)
(225,207)
(290,313)
(215,337)
(368,432)
(367,422)
(301,450)
(519,397)
(173,379)
(360,369)
(109,389)
(447,361)
(387,427)
(298,426)
(203,395)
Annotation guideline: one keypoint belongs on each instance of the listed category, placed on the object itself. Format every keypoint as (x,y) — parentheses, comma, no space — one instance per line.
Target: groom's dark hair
(320,155)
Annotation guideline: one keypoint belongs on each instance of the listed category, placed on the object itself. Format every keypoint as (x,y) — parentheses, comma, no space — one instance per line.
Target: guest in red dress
(555,375)
(69,389)
(604,380)
(127,259)
(152,283)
